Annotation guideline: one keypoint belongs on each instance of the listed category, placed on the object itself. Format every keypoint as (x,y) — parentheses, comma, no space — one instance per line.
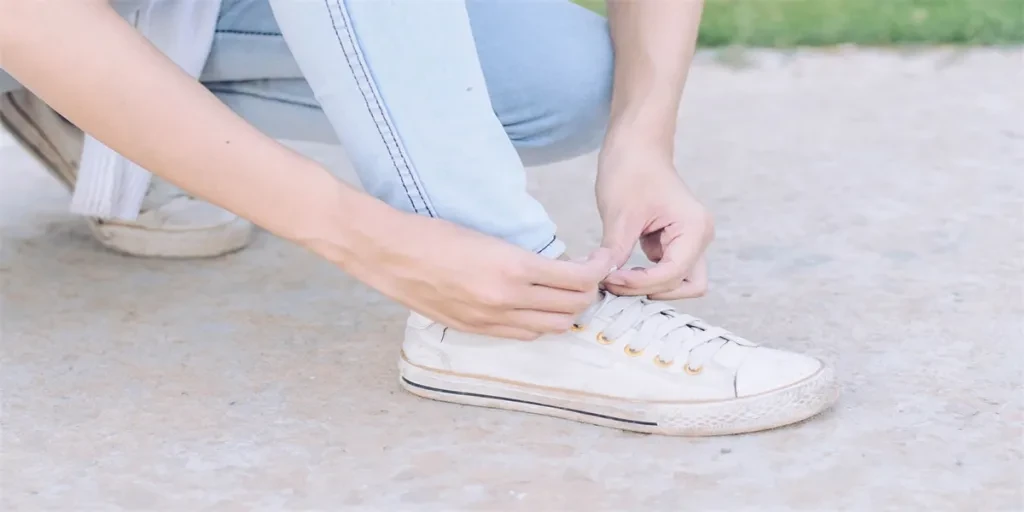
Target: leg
(549,89)
(252,71)
(547,67)
(437,148)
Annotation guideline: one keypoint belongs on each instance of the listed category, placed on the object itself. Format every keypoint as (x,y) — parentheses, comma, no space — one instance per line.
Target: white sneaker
(630,363)
(171,224)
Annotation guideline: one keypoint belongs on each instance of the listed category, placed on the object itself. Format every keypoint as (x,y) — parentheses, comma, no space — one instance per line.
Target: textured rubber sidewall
(777,408)
(154,243)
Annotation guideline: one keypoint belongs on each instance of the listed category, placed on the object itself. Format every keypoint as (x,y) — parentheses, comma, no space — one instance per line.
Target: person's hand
(641,197)
(473,282)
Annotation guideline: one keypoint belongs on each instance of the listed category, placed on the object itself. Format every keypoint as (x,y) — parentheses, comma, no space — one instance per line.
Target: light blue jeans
(439,104)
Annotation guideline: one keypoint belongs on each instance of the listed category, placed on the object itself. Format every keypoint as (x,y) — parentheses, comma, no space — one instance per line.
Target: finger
(555,300)
(696,285)
(649,290)
(537,321)
(680,256)
(620,237)
(626,283)
(622,291)
(652,247)
(571,275)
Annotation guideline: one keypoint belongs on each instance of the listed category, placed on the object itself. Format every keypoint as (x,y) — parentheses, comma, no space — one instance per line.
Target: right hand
(473,282)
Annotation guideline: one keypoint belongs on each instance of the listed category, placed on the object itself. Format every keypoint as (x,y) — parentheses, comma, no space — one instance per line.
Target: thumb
(599,263)
(619,238)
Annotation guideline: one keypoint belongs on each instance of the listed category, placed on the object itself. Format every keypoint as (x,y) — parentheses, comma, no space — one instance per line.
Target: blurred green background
(782,23)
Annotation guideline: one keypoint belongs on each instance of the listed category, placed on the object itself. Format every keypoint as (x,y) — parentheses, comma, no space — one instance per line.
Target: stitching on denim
(248,32)
(366,100)
(392,132)
(383,113)
(220,90)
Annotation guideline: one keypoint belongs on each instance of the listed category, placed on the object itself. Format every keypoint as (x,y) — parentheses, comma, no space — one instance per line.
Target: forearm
(94,68)
(654,42)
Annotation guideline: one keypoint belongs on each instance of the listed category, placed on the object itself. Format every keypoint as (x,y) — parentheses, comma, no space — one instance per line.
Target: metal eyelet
(692,371)
(632,352)
(604,340)
(659,362)
(577,328)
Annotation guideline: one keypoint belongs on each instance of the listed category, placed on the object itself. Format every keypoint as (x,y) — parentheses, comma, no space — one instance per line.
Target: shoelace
(656,323)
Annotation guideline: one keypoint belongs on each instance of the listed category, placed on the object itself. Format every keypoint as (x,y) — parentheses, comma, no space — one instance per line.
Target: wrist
(339,224)
(649,138)
(649,118)
(633,150)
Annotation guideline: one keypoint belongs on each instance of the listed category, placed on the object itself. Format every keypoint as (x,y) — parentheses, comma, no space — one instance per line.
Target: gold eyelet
(602,339)
(659,362)
(692,371)
(631,352)
(577,328)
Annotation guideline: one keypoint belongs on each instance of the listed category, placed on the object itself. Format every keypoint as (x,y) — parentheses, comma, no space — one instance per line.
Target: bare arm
(94,68)
(639,193)
(654,42)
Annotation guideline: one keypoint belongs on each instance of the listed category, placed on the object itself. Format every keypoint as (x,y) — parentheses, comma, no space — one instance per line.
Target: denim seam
(375,93)
(368,90)
(355,76)
(218,90)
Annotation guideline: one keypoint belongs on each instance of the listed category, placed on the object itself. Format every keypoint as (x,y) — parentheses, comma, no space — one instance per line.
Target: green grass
(786,23)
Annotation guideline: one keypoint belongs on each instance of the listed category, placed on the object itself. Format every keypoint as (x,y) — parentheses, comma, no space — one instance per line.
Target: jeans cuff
(553,249)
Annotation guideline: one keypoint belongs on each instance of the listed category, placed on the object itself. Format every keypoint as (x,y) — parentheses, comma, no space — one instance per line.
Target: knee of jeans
(571,115)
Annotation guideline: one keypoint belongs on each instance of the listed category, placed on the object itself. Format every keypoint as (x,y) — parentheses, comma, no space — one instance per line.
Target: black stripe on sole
(527,402)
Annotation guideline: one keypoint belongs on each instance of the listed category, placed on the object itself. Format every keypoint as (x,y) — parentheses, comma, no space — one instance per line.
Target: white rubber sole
(773,409)
(186,243)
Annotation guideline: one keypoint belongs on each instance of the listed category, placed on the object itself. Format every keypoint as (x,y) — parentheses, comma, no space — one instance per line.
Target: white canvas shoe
(630,363)
(171,223)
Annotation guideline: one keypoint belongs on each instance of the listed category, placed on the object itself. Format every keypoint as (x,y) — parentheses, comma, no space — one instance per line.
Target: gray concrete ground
(870,211)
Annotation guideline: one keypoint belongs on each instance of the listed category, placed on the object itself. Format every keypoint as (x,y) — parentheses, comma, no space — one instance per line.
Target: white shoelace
(659,324)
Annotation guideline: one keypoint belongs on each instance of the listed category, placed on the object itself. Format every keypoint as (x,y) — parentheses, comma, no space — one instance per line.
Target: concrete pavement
(869,208)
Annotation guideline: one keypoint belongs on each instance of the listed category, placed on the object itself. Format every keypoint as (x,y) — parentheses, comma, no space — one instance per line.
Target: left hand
(641,197)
